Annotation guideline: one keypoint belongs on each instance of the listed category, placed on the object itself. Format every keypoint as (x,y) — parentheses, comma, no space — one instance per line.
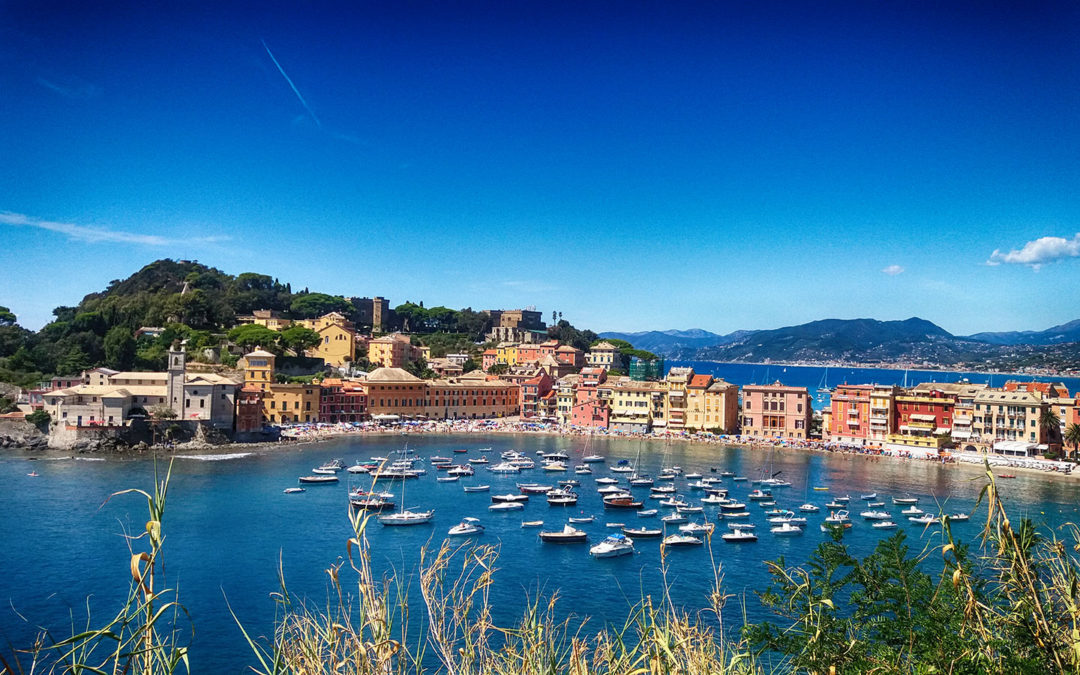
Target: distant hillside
(852,340)
(1066,332)
(676,343)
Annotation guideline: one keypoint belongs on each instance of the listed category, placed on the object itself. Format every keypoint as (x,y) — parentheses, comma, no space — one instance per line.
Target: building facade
(776,411)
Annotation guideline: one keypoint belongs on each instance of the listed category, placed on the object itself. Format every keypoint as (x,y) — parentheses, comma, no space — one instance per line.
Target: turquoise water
(227,523)
(814,377)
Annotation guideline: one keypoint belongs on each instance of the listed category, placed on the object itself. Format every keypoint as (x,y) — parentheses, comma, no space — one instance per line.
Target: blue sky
(634,165)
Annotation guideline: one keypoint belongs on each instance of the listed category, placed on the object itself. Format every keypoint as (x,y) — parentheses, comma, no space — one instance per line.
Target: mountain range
(912,340)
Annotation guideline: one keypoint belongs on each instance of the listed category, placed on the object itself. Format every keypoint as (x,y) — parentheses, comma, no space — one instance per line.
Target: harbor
(229,520)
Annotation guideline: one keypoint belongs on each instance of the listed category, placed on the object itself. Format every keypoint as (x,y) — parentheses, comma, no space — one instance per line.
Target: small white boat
(674,519)
(876,515)
(925,519)
(690,509)
(293,490)
(643,532)
(506,506)
(904,501)
(406,518)
(466,527)
(622,469)
(732,515)
(590,459)
(713,500)
(477,488)
(912,511)
(319,479)
(611,490)
(876,505)
(568,535)
(359,468)
(884,525)
(478,460)
(739,536)
(838,520)
(697,528)
(663,490)
(582,519)
(739,479)
(615,526)
(607,480)
(554,466)
(733,506)
(693,476)
(511,497)
(843,500)
(582,470)
(325,472)
(809,508)
(681,540)
(532,523)
(741,526)
(446,479)
(958,517)
(614,545)
(647,513)
(786,530)
(869,498)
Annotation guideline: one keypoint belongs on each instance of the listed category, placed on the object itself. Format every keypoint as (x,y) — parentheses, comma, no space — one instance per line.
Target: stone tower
(174,382)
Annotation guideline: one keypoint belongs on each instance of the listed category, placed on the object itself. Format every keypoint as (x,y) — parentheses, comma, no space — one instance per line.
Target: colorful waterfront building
(604,355)
(882,413)
(564,397)
(342,401)
(489,359)
(249,416)
(392,351)
(633,406)
(677,380)
(337,345)
(471,396)
(394,394)
(924,416)
(588,409)
(850,404)
(507,353)
(532,391)
(712,404)
(570,356)
(776,411)
(1008,422)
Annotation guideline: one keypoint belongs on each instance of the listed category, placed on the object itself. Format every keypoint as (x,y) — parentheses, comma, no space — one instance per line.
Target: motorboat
(697,528)
(663,490)
(766,504)
(582,470)
(554,466)
(478,460)
(562,498)
(333,465)
(510,497)
(912,511)
(697,485)
(809,508)
(876,505)
(905,501)
(693,476)
(739,536)
(446,479)
(820,488)
(925,519)
(733,506)
(506,506)
(568,535)
(532,523)
(843,500)
(614,545)
(834,505)
(642,532)
(731,515)
(793,520)
(615,526)
(674,519)
(406,517)
(464,470)
(294,490)
(714,500)
(626,468)
(876,515)
(611,490)
(727,474)
(837,520)
(324,472)
(592,459)
(477,488)
(620,502)
(958,517)
(555,456)
(741,526)
(570,482)
(607,480)
(647,513)
(739,479)
(786,530)
(504,467)
(674,502)
(690,509)
(869,498)
(440,460)
(640,481)
(461,451)
(884,525)
(319,480)
(361,468)
(682,540)
(468,526)
(581,519)
(534,488)
(759,495)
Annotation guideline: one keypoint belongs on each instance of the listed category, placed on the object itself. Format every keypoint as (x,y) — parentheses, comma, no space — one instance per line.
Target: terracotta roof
(259,352)
(392,375)
(699,382)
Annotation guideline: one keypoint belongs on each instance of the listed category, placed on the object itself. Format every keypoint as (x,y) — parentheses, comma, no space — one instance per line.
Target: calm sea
(227,523)
(816,377)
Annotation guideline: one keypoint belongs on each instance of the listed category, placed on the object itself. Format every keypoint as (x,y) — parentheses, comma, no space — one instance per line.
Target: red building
(249,409)
(533,390)
(1047,389)
(850,421)
(925,412)
(342,401)
(570,356)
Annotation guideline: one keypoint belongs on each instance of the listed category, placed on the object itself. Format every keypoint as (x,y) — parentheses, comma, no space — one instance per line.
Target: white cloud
(95,235)
(893,270)
(1038,252)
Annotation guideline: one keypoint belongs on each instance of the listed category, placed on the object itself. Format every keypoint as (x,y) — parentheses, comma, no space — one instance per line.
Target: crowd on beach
(319,431)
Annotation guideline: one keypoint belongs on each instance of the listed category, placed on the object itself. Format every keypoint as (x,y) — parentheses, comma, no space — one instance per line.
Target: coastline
(886,366)
(314,436)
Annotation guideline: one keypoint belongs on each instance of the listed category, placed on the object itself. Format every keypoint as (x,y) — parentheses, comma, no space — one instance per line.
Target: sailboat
(406,517)
(823,386)
(637,479)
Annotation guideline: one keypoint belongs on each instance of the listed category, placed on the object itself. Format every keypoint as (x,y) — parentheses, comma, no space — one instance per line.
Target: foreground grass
(1011,605)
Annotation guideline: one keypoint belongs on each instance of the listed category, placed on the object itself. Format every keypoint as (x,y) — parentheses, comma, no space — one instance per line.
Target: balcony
(853,412)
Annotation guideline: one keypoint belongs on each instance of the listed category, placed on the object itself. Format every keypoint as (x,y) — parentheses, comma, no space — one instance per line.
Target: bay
(227,525)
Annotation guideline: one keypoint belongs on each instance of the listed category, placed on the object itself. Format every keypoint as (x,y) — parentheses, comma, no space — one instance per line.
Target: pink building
(489,359)
(589,410)
(533,390)
(850,422)
(776,411)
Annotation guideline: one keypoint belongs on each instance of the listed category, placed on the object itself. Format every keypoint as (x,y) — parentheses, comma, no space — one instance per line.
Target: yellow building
(676,382)
(392,351)
(633,405)
(712,404)
(507,353)
(281,403)
(265,317)
(337,346)
(564,397)
(471,396)
(1009,416)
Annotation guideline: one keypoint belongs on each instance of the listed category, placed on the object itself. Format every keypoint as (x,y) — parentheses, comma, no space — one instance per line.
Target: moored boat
(681,540)
(786,530)
(643,532)
(319,480)
(477,488)
(466,527)
(614,545)
(568,535)
(293,490)
(506,506)
(739,536)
